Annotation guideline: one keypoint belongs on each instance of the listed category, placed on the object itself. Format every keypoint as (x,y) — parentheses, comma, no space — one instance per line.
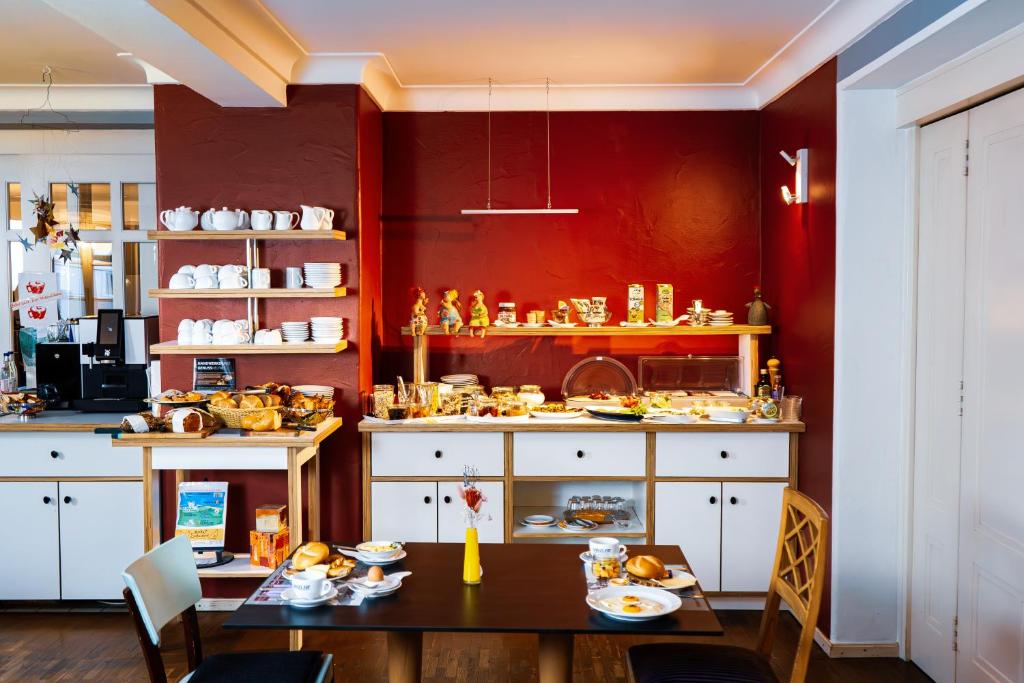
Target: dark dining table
(526,588)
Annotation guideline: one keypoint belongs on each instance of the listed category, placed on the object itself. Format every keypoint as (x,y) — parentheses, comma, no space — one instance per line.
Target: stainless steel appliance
(115,361)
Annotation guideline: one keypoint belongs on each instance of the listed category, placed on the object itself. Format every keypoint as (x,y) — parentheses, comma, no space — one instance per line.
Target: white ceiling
(456,42)
(35,35)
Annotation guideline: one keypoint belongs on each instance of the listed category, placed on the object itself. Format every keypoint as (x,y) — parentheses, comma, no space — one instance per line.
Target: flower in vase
(473,496)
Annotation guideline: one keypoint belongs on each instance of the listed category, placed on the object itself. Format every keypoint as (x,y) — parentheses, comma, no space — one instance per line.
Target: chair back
(164,583)
(798,576)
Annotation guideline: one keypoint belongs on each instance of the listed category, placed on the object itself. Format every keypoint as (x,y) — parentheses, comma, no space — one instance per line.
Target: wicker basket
(232,417)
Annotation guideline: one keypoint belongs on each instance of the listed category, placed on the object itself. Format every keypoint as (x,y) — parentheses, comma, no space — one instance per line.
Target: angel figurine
(449,313)
(418,323)
(478,315)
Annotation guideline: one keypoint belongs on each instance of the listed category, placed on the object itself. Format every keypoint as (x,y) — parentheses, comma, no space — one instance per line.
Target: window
(139,277)
(86,206)
(138,206)
(14,206)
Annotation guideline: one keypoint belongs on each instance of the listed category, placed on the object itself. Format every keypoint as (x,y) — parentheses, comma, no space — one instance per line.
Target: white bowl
(379,550)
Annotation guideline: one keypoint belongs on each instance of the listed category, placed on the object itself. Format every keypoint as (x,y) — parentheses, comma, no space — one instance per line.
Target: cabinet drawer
(722,454)
(577,454)
(47,454)
(437,454)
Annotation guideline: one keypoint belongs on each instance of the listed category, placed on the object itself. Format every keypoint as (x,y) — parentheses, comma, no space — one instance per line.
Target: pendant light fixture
(547,116)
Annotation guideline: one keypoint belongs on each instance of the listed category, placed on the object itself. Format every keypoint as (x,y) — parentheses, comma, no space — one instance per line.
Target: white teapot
(180,219)
(316,218)
(224,219)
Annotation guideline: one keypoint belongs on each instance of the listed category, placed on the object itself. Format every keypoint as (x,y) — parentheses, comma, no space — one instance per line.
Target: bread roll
(309,554)
(218,394)
(272,400)
(250,402)
(263,421)
(224,402)
(646,567)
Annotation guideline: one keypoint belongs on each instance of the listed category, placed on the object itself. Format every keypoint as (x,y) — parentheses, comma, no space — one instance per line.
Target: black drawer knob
(426,499)
(732,500)
(46,500)
(448,499)
(725,454)
(54,454)
(437,454)
(712,500)
(67,500)
(579,454)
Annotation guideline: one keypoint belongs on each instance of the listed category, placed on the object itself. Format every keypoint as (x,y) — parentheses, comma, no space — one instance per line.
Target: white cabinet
(404,511)
(28,536)
(751,513)
(451,525)
(727,530)
(100,534)
(577,454)
(689,514)
(438,454)
(429,511)
(722,454)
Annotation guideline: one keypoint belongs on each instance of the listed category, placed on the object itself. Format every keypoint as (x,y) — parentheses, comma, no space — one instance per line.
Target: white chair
(164,583)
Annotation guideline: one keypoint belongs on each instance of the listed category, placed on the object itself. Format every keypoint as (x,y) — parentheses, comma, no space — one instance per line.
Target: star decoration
(65,255)
(25,243)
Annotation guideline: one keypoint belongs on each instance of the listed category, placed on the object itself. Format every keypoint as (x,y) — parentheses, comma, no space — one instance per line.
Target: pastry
(218,394)
(646,567)
(270,400)
(188,420)
(250,402)
(262,421)
(309,554)
(224,402)
(339,566)
(141,423)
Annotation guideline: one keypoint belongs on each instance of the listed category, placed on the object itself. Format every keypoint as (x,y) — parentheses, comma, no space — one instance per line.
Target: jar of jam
(502,393)
(531,394)
(483,406)
(507,312)
(383,397)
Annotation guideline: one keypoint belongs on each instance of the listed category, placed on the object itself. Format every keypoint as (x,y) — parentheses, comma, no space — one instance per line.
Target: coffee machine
(114,361)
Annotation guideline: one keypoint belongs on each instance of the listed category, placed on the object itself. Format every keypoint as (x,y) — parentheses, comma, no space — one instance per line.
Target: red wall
(663,197)
(800,267)
(307,153)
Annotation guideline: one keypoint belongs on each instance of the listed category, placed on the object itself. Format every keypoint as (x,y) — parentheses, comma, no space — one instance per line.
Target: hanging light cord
(46,105)
(490,86)
(547,108)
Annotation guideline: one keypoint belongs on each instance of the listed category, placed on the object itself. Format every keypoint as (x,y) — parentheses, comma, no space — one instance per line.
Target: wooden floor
(78,646)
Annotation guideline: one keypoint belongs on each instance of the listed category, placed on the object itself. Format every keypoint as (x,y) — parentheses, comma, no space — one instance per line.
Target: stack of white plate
(462,380)
(327,330)
(314,390)
(720,318)
(295,331)
(322,275)
(539,521)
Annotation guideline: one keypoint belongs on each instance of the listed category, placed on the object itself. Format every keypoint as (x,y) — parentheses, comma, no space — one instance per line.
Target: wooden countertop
(580,424)
(60,421)
(233,437)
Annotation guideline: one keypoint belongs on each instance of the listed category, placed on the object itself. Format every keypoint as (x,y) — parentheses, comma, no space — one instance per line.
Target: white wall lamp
(800,178)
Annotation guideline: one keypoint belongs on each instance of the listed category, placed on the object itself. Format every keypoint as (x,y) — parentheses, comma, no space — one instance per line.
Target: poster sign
(38,297)
(202,513)
(213,374)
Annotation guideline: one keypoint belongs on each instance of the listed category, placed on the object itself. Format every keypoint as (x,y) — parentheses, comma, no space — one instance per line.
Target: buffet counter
(60,421)
(714,489)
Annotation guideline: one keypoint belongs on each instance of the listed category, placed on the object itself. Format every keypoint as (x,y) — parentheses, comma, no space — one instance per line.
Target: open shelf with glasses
(276,293)
(172,348)
(262,235)
(550,497)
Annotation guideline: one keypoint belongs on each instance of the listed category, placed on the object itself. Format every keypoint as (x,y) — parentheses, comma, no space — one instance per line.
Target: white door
(451,525)
(750,531)
(100,535)
(940,309)
(991,573)
(29,538)
(404,511)
(689,514)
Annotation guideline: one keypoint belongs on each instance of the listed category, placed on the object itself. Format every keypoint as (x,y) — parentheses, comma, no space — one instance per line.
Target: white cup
(206,282)
(261,220)
(260,278)
(233,282)
(185,331)
(206,270)
(182,281)
(187,269)
(293,277)
(269,337)
(202,331)
(230,269)
(285,220)
(603,547)
(224,325)
(310,585)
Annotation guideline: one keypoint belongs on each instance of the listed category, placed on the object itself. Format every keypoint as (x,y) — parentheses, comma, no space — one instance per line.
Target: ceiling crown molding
(19,97)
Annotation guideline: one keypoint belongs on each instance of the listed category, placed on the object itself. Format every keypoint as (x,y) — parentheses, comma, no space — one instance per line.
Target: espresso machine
(112,370)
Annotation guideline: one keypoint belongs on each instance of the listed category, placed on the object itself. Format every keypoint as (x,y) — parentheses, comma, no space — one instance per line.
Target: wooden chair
(797,577)
(163,584)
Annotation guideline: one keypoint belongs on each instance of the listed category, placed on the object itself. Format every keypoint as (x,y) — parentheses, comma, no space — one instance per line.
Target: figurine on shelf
(560,315)
(757,310)
(449,313)
(479,319)
(418,323)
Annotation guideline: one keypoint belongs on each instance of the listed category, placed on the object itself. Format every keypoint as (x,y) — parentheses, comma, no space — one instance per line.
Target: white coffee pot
(316,218)
(224,219)
(180,219)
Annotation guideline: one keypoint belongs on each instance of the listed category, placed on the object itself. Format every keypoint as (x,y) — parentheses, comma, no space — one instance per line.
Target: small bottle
(9,374)
(778,390)
(763,388)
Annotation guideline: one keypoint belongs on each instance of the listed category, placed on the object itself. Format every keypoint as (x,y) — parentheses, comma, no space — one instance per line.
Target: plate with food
(633,603)
(555,411)
(727,413)
(174,397)
(617,414)
(672,416)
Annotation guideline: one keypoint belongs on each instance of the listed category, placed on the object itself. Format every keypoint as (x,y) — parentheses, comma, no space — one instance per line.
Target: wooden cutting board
(169,436)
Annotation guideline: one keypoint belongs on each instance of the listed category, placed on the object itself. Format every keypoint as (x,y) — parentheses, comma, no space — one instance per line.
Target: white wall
(874,255)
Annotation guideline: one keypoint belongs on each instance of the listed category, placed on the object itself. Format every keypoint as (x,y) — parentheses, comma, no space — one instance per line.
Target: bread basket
(232,417)
(308,418)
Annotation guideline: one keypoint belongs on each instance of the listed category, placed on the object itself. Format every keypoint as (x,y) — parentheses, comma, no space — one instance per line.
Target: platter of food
(555,411)
(633,603)
(671,416)
(174,397)
(617,414)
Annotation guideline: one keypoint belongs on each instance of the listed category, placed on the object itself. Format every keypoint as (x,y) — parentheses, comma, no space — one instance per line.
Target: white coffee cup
(224,325)
(269,337)
(602,547)
(202,331)
(310,584)
(182,281)
(206,282)
(285,220)
(260,278)
(233,282)
(206,270)
(293,277)
(187,269)
(261,220)
(230,269)
(185,331)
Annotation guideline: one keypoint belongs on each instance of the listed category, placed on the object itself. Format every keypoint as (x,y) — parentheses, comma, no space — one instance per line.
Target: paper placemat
(269,592)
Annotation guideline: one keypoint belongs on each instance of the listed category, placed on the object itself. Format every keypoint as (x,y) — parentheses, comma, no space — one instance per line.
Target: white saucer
(288,595)
(587,559)
(382,563)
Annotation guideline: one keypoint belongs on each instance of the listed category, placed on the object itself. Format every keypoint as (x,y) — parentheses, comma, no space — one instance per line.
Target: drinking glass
(791,408)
